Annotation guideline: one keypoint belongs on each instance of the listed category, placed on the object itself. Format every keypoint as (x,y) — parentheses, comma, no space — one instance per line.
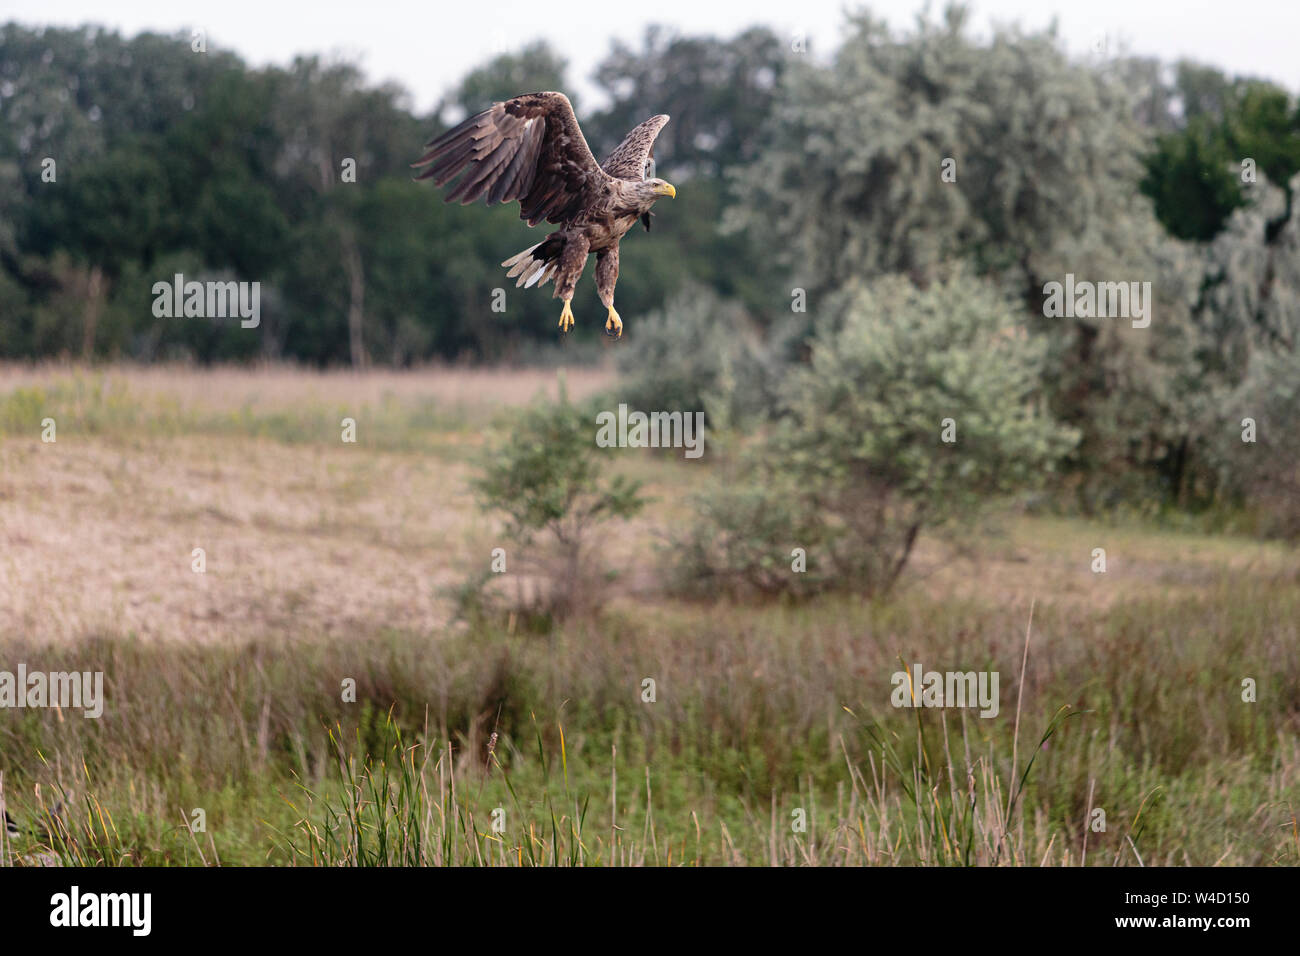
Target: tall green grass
(760,712)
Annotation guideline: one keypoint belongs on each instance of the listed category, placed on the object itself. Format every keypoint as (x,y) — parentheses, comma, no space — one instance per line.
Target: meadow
(478,740)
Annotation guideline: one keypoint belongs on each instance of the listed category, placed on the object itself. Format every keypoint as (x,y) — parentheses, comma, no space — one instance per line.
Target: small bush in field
(917,405)
(546,476)
(745,539)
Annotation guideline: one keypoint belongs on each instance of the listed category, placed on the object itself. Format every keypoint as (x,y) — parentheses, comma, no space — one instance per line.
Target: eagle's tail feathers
(536,265)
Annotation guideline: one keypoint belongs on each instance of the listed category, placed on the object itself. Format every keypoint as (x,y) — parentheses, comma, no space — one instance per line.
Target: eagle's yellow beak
(666,190)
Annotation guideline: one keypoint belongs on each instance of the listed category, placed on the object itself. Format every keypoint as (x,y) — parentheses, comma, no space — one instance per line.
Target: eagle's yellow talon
(566,317)
(614,325)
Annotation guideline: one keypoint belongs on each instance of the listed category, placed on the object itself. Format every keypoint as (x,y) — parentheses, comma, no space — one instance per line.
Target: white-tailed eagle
(530,149)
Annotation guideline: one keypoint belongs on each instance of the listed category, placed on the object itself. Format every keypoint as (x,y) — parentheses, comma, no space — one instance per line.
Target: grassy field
(329,562)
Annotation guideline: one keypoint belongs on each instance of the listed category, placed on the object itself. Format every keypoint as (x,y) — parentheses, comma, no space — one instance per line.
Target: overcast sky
(426,46)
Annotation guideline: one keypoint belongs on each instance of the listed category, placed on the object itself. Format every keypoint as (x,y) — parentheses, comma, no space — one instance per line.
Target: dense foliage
(167,160)
(915,407)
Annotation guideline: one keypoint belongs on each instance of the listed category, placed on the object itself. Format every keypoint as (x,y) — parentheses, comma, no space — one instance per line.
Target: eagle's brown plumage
(628,158)
(530,149)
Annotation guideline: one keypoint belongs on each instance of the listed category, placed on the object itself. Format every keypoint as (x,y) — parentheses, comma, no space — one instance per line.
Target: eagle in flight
(531,149)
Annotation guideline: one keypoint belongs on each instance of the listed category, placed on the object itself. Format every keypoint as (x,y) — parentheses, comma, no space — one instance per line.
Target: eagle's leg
(606,277)
(572,258)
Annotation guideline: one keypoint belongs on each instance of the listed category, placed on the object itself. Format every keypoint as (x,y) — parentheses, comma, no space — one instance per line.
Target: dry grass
(98,539)
(1012,559)
(97,529)
(277,387)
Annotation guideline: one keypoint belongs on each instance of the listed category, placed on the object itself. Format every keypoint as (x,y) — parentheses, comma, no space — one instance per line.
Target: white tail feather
(516,258)
(529,271)
(527,277)
(536,277)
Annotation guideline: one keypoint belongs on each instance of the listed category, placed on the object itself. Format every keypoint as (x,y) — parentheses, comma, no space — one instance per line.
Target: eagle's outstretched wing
(529,148)
(628,159)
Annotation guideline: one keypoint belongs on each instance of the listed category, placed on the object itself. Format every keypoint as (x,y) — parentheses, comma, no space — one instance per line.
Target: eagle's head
(662,188)
(651,189)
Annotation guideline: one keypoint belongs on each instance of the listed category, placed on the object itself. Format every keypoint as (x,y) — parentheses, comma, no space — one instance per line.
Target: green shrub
(859,463)
(745,538)
(544,474)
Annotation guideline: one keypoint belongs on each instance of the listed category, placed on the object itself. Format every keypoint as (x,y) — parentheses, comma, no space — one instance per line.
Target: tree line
(127,160)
